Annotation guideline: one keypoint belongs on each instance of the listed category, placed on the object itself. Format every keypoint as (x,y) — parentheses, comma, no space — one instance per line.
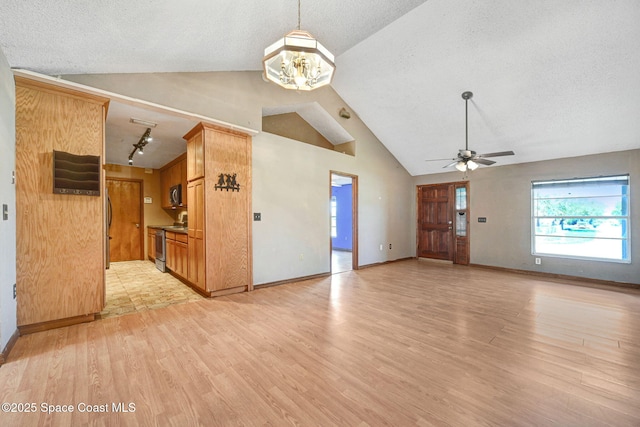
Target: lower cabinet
(151,244)
(177,252)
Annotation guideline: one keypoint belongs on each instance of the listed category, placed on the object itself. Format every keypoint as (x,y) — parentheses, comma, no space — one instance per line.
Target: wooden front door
(435,222)
(443,222)
(126,230)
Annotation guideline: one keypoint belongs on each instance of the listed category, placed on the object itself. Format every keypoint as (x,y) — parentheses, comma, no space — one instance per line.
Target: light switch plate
(148,200)
(5,212)
(257,216)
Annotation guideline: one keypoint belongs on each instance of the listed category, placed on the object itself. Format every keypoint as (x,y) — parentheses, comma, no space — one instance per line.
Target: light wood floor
(341,261)
(407,343)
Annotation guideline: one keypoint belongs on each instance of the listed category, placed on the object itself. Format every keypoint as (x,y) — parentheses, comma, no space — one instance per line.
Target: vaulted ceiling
(550,78)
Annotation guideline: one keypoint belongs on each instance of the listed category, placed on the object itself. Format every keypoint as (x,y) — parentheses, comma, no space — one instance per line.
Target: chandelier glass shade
(298,61)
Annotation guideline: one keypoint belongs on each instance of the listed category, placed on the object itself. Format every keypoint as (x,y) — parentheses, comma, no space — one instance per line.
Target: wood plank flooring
(341,261)
(407,343)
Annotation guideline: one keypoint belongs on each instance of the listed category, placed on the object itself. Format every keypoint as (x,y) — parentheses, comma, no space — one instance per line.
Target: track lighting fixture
(144,140)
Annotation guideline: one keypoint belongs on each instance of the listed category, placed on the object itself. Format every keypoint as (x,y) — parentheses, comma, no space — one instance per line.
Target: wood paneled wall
(60,237)
(228,213)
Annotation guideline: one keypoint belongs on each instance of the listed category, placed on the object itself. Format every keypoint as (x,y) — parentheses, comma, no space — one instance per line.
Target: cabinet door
(171,255)
(195,156)
(165,184)
(195,232)
(151,244)
(183,180)
(181,259)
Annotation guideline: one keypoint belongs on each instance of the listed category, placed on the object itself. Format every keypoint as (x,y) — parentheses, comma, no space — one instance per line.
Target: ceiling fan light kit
(298,61)
(469,159)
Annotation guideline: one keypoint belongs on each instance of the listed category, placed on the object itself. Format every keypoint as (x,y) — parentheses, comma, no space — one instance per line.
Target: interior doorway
(126,226)
(344,222)
(443,222)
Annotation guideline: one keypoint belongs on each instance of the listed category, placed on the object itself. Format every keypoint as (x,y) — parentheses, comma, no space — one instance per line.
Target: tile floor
(134,286)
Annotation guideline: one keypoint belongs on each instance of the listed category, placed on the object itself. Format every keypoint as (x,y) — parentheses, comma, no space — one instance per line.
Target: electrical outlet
(389,245)
(380,246)
(538,261)
(14,291)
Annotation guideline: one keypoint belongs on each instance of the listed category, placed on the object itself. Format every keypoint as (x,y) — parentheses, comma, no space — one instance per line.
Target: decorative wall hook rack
(227,181)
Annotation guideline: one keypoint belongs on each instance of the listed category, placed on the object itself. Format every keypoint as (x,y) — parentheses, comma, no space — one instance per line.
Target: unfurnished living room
(303,212)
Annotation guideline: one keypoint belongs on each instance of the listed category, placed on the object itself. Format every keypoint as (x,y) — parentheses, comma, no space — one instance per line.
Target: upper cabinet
(195,153)
(172,174)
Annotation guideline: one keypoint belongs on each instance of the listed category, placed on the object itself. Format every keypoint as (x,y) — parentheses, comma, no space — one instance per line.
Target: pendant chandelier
(298,61)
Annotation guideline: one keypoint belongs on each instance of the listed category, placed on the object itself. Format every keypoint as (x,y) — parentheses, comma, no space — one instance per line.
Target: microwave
(175,195)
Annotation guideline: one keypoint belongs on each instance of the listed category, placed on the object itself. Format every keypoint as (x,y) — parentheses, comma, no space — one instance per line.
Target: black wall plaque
(73,174)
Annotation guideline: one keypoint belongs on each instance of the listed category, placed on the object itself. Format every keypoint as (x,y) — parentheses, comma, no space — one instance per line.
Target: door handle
(137,225)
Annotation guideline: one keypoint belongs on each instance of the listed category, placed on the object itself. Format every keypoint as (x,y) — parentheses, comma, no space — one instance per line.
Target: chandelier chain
(298,14)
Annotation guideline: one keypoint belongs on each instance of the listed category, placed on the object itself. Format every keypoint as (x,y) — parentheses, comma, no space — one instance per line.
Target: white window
(334,215)
(582,218)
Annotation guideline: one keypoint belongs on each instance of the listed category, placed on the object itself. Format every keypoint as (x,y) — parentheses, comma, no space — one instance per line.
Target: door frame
(141,201)
(453,238)
(354,219)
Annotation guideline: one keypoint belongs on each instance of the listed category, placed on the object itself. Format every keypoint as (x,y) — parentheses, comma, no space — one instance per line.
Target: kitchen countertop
(173,228)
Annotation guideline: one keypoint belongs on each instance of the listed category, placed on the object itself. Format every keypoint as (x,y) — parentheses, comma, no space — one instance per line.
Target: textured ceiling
(550,78)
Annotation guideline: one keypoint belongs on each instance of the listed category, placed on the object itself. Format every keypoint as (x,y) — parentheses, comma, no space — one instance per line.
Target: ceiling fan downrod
(466,96)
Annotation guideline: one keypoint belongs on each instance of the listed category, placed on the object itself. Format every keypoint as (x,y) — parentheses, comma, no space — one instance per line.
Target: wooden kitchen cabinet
(219,192)
(181,255)
(170,245)
(173,173)
(195,155)
(176,246)
(196,234)
(151,244)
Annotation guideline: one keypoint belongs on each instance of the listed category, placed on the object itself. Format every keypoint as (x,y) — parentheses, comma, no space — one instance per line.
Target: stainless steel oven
(161,251)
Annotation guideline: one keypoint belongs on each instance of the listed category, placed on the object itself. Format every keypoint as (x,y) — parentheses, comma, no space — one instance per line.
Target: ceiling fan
(469,159)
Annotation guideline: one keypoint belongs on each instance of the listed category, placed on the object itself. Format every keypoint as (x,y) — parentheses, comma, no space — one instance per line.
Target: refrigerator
(108,217)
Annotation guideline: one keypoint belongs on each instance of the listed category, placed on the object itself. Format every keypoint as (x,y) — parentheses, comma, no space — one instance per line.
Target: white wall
(503,195)
(8,197)
(291,179)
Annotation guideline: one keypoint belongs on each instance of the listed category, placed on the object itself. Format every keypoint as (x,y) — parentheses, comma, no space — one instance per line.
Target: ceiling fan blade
(451,164)
(498,154)
(483,161)
(438,160)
